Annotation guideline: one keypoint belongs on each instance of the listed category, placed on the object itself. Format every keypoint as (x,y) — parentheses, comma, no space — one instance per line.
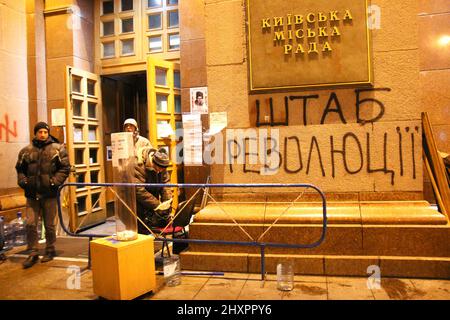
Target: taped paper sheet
(192,140)
(122,145)
(58,117)
(164,205)
(217,122)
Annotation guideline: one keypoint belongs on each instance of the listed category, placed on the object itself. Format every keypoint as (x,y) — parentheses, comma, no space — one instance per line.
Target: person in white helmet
(130,125)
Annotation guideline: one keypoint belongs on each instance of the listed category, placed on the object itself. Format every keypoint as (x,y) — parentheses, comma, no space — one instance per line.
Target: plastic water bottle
(8,232)
(285,276)
(39,229)
(172,270)
(19,230)
(2,233)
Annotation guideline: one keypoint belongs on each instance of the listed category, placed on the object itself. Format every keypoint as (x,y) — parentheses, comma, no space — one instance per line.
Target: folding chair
(177,227)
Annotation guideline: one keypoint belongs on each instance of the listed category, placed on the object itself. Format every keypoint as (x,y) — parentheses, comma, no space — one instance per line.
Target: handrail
(262,245)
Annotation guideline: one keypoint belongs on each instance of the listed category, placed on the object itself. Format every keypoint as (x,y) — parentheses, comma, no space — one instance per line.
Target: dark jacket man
(41,168)
(152,169)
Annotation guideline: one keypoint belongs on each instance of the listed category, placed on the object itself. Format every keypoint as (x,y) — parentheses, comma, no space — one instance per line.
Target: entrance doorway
(126,96)
(96,106)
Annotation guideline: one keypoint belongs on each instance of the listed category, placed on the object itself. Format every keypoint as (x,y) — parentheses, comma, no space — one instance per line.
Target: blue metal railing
(262,245)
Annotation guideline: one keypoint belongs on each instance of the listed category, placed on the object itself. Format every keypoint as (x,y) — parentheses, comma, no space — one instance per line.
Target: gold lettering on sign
(312,48)
(326,47)
(299,49)
(290,34)
(266,23)
(333,16)
(309,19)
(323,32)
(335,32)
(348,15)
(289,19)
(279,36)
(322,17)
(278,21)
(297,34)
(311,34)
(287,48)
(291,28)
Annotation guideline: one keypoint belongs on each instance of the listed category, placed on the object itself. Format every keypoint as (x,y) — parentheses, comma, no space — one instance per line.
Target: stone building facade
(355,143)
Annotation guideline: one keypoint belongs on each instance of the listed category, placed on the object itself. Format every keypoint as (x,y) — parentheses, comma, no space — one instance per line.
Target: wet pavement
(54,281)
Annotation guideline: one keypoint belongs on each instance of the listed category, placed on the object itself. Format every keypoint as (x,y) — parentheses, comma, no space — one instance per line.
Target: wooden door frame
(86,167)
(153,116)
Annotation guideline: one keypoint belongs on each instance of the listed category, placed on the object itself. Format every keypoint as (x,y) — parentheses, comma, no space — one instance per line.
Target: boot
(30,261)
(48,257)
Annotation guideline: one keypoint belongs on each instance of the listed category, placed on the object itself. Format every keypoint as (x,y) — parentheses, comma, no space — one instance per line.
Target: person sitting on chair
(153,169)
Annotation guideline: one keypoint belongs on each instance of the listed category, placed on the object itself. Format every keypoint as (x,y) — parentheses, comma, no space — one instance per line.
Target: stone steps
(11,204)
(337,265)
(352,239)
(405,239)
(343,212)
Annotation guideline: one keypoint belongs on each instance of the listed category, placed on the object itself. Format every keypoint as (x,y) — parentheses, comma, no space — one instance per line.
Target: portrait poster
(199,100)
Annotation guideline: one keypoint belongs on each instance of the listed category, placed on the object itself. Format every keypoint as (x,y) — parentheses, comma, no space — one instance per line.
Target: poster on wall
(199,100)
(108,153)
(192,140)
(164,129)
(58,117)
(217,122)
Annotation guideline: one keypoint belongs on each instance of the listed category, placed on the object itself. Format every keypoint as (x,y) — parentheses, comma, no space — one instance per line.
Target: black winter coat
(148,198)
(42,167)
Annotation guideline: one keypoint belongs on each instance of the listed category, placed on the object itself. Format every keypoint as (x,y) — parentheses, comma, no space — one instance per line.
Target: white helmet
(131,121)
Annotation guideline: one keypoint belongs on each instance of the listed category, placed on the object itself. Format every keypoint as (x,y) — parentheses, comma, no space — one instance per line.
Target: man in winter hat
(41,168)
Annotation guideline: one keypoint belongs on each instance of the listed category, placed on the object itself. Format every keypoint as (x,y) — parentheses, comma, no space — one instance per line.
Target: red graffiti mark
(8,131)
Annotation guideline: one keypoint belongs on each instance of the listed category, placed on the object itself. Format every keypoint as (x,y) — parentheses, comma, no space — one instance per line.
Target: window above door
(128,31)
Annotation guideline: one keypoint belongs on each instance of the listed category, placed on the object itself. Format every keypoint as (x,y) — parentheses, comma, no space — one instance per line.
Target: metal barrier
(262,245)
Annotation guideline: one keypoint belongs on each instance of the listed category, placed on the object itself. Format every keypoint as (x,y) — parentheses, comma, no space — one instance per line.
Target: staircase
(405,239)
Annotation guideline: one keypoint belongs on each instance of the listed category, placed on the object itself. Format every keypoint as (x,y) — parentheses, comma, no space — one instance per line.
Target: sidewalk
(50,281)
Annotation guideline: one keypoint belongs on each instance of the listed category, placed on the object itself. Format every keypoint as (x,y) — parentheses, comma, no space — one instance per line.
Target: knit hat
(41,125)
(161,159)
(132,122)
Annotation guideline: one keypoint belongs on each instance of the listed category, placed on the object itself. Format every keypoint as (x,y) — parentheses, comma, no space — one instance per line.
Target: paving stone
(340,288)
(307,291)
(396,289)
(221,289)
(187,290)
(50,282)
(258,290)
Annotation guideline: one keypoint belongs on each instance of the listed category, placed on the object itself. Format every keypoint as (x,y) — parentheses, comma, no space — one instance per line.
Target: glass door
(85,148)
(164,111)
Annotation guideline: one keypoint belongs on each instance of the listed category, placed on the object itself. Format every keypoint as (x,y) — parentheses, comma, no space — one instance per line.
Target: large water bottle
(2,233)
(8,232)
(19,230)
